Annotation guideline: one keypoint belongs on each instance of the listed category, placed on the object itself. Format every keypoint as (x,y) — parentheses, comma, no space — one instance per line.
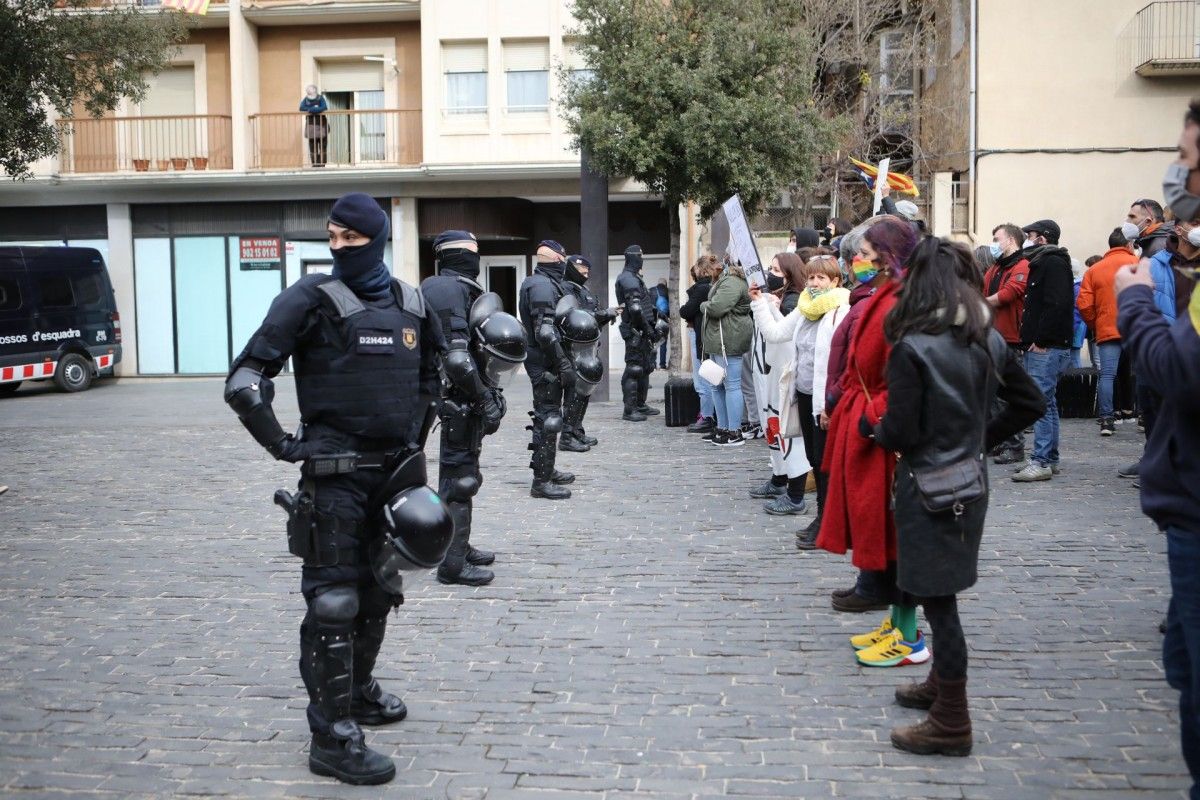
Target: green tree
(697,99)
(58,54)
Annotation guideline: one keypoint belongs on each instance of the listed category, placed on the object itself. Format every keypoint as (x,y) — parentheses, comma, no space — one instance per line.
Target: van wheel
(74,373)
(7,389)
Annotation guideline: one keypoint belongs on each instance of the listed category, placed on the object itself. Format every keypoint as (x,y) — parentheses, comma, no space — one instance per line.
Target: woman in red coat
(860,472)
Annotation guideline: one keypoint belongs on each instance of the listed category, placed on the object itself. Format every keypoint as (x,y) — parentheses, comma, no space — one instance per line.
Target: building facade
(211,195)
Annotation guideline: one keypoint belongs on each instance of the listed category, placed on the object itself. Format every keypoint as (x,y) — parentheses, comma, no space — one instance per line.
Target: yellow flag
(188,6)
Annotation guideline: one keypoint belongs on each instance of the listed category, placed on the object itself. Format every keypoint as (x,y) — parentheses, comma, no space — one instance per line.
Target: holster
(461,424)
(320,539)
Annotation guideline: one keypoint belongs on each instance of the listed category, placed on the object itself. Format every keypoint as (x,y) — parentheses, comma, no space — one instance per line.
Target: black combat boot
(643,392)
(580,434)
(547,490)
(480,558)
(545,485)
(343,754)
(455,568)
(570,443)
(629,399)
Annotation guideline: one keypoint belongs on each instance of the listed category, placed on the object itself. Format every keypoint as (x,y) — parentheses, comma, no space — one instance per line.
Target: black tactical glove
(491,405)
(291,449)
(566,372)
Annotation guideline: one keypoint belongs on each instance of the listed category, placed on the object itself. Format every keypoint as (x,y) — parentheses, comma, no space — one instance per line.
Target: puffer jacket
(727,315)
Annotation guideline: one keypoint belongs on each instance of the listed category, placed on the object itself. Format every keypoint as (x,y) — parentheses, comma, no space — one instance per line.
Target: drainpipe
(972,113)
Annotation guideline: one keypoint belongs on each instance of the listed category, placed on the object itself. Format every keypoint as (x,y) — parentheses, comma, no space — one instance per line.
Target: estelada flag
(898,181)
(188,6)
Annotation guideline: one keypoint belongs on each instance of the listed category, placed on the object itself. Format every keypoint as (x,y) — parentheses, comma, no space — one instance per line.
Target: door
(16,313)
(170,94)
(503,275)
(354,85)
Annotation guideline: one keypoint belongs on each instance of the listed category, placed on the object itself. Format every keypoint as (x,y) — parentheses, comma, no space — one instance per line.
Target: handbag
(789,406)
(710,370)
(952,487)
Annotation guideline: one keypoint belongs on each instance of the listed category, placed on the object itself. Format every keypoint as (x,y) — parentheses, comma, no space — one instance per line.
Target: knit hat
(908,209)
(448,240)
(549,251)
(359,212)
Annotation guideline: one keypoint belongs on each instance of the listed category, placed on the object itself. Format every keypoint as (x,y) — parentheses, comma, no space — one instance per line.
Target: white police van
(58,317)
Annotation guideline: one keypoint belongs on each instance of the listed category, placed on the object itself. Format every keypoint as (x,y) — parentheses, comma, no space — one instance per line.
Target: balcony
(1163,39)
(309,12)
(361,139)
(145,144)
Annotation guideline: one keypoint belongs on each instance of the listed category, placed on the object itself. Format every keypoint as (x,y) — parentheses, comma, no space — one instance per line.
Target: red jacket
(857,511)
(1008,282)
(1097,302)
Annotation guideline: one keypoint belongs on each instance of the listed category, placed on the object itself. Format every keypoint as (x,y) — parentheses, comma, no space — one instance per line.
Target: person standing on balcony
(316,126)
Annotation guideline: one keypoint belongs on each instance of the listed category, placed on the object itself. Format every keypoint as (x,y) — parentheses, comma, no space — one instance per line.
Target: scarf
(816,307)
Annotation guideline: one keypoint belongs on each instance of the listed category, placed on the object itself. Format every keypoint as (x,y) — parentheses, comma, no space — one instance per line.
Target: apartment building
(209,196)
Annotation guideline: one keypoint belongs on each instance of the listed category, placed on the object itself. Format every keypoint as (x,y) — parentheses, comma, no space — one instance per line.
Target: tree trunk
(675,344)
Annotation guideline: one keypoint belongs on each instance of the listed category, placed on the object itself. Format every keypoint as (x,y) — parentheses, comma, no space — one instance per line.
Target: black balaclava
(450,249)
(806,237)
(551,258)
(573,274)
(633,258)
(362,268)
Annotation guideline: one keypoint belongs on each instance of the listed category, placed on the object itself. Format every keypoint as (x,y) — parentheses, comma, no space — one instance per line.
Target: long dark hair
(942,291)
(792,267)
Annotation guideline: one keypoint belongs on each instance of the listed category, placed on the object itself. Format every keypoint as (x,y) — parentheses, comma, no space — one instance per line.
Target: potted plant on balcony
(162,164)
(141,164)
(179,163)
(200,162)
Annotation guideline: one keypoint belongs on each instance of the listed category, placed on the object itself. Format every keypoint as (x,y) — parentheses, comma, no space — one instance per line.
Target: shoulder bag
(710,370)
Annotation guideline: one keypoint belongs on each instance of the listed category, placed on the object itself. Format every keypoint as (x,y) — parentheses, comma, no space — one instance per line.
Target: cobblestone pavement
(656,637)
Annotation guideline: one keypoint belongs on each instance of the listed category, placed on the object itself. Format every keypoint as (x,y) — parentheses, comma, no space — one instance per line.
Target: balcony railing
(361,138)
(145,144)
(1164,39)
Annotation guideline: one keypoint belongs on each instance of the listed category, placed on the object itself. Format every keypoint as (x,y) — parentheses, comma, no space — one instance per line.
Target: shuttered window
(465,66)
(351,76)
(527,75)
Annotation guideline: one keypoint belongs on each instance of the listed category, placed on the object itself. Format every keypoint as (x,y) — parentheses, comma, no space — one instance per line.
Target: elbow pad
(459,368)
(249,393)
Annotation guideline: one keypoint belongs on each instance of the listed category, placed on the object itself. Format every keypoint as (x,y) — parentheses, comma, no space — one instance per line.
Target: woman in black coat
(702,274)
(947,369)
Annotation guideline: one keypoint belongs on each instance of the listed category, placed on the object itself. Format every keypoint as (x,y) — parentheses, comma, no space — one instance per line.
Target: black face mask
(464,262)
(774,282)
(574,275)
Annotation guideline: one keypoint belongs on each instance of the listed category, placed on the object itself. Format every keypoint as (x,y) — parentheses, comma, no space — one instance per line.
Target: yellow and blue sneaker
(893,651)
(872,638)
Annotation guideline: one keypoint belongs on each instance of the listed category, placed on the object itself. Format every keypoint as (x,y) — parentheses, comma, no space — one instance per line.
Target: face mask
(791,248)
(1184,204)
(774,282)
(814,292)
(463,262)
(1029,243)
(996,249)
(1130,231)
(864,271)
(1193,236)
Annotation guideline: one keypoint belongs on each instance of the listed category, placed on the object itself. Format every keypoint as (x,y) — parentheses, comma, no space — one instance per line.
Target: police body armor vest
(548,291)
(361,374)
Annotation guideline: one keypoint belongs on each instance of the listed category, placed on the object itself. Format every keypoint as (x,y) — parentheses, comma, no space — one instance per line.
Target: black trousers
(547,418)
(316,151)
(814,445)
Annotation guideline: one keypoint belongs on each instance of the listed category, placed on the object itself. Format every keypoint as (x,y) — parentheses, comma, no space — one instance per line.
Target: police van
(58,317)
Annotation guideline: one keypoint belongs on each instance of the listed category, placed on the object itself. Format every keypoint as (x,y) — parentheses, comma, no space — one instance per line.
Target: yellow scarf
(816,307)
(1194,308)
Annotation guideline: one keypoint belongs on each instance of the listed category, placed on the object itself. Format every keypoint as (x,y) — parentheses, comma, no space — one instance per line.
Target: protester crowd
(888,366)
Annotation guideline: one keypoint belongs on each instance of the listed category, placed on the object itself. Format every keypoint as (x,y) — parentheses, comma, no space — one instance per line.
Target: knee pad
(338,606)
(553,424)
(461,489)
(634,370)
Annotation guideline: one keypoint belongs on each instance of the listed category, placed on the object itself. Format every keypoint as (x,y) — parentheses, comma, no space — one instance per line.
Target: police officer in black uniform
(469,410)
(365,353)
(638,330)
(574,438)
(549,367)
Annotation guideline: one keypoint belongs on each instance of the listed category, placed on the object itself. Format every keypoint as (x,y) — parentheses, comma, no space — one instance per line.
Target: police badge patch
(410,338)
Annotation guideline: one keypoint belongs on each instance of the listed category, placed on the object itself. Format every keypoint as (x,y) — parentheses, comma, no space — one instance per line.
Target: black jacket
(941,393)
(697,293)
(1049,317)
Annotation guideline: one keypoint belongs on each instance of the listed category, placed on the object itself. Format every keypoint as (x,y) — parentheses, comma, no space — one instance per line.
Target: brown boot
(947,729)
(919,695)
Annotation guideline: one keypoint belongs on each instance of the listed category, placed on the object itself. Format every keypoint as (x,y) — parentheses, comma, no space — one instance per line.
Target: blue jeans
(1108,356)
(1181,647)
(703,387)
(727,398)
(1045,369)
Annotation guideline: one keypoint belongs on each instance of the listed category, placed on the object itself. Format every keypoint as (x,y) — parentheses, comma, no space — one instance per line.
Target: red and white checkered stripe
(25,372)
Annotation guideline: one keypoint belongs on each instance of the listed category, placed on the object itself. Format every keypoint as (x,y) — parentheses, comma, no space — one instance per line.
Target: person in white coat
(819,309)
(772,357)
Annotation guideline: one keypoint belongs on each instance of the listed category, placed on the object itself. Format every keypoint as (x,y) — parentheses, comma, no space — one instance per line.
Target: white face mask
(1029,243)
(791,248)
(1130,231)
(1193,236)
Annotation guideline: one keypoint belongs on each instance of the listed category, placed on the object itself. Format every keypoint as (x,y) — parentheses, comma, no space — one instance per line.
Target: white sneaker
(1054,468)
(1033,472)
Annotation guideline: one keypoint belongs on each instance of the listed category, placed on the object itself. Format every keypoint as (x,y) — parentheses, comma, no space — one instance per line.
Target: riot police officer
(365,353)
(470,409)
(549,367)
(638,330)
(574,438)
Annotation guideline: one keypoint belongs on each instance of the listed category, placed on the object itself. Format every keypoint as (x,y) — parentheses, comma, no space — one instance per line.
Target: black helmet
(565,304)
(499,346)
(415,533)
(589,369)
(578,327)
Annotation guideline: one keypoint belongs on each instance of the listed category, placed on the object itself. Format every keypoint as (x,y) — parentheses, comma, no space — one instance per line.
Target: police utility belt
(323,540)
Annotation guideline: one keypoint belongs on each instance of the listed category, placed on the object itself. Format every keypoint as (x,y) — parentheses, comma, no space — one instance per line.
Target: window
(896,80)
(88,290)
(575,63)
(10,295)
(527,73)
(466,77)
(55,291)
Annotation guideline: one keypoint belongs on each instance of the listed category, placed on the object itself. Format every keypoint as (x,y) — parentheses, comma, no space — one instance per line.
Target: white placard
(880,180)
(741,242)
